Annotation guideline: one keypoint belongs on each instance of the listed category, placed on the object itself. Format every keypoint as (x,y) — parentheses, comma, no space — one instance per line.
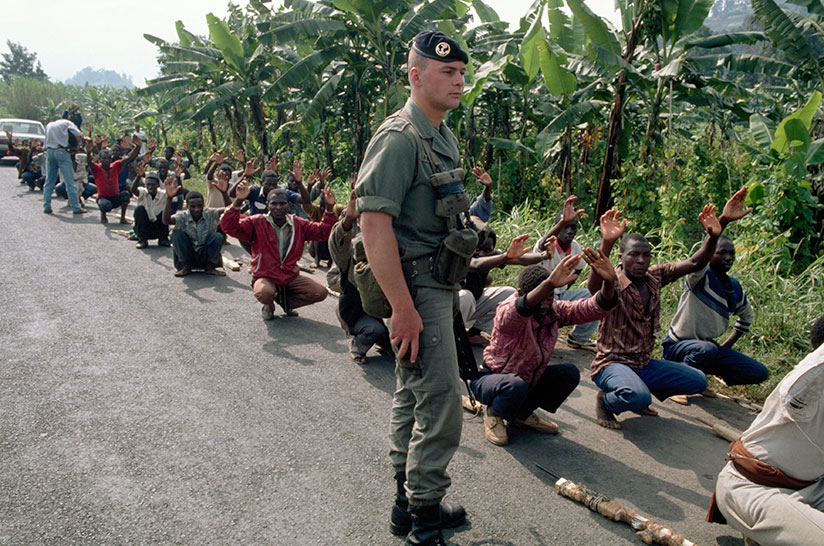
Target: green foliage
(19,63)
(30,98)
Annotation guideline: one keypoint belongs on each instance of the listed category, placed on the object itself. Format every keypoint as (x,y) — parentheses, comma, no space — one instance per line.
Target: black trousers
(146,229)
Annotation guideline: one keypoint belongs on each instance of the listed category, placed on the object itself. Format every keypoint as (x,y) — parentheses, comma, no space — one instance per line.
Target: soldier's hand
(405,326)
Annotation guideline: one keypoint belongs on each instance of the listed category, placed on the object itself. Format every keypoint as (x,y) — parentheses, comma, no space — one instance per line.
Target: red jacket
(265,253)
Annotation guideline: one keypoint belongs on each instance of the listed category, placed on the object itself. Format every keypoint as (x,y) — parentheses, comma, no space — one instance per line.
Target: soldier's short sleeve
(388,171)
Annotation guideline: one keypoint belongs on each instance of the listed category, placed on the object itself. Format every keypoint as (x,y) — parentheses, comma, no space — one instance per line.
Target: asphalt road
(138,408)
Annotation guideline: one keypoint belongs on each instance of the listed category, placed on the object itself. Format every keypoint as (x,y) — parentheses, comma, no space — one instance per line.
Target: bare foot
(648,411)
(183,272)
(605,417)
(216,272)
(124,221)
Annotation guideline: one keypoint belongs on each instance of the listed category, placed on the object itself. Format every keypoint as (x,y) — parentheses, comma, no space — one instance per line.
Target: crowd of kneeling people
(518,326)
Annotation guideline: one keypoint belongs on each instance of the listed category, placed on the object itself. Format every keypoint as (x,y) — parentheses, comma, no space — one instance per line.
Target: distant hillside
(100,78)
(729,15)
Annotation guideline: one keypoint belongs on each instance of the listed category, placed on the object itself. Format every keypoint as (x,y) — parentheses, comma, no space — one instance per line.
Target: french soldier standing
(397,198)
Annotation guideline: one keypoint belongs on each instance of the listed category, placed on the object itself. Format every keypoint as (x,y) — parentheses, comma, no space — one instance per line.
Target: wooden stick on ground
(647,530)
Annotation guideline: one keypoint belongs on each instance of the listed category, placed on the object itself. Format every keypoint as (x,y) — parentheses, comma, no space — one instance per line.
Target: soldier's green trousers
(425,428)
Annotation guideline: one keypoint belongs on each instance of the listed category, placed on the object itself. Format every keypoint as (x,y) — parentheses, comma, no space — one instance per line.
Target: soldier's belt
(423,264)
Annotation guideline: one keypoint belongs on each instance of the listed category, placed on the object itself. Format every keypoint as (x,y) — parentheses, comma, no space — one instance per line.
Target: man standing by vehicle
(402,232)
(57,157)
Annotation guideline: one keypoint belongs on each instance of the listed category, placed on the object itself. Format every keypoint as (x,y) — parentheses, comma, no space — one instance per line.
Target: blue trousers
(88,190)
(59,160)
(187,255)
(32,179)
(631,389)
(712,359)
(106,204)
(368,331)
(510,397)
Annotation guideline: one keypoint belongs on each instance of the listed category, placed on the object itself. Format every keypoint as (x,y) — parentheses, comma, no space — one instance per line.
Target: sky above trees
(110,35)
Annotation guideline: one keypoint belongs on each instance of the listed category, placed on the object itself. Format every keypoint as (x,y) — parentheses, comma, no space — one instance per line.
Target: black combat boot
(400,522)
(426,526)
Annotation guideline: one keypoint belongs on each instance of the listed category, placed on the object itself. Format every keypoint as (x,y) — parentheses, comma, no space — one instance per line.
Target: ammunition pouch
(453,256)
(452,197)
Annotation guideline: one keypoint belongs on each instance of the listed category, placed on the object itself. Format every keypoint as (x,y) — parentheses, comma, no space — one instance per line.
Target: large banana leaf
(321,99)
(744,62)
(291,32)
(303,70)
(595,27)
(558,79)
(572,116)
(761,131)
(530,55)
(506,144)
(815,154)
(722,40)
(165,83)
(804,116)
(690,16)
(481,76)
(228,42)
(424,16)
(781,30)
(485,13)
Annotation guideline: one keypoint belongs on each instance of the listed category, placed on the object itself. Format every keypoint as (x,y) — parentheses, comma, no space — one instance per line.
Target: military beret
(438,46)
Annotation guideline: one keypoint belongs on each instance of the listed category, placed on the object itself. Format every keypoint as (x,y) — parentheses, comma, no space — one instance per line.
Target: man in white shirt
(57,157)
(772,490)
(148,213)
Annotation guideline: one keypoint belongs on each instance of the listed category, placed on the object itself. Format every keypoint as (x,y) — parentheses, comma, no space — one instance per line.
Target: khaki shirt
(200,230)
(394,179)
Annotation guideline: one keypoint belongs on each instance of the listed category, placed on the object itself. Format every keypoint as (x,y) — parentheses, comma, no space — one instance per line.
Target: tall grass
(29,98)
(785,305)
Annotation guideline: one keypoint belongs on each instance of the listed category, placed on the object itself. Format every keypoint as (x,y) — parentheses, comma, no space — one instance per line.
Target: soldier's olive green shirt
(394,179)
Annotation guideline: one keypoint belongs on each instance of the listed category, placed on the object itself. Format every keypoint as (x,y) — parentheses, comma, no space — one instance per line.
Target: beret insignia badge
(443,49)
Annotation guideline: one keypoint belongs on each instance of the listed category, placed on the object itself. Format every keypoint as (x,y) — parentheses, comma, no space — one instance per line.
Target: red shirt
(107,182)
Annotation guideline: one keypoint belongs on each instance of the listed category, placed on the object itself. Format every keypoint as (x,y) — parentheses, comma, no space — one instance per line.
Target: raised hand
(240,157)
(250,169)
(734,208)
(8,135)
(569,212)
(222,183)
(171,186)
(297,171)
(328,197)
(611,227)
(599,263)
(516,247)
(273,163)
(242,191)
(482,176)
(136,142)
(178,159)
(550,247)
(564,273)
(152,143)
(184,146)
(312,178)
(353,179)
(106,142)
(98,139)
(351,207)
(709,221)
(324,173)
(216,157)
(179,169)
(141,168)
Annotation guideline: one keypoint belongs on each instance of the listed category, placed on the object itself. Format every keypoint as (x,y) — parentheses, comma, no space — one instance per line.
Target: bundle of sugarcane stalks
(647,530)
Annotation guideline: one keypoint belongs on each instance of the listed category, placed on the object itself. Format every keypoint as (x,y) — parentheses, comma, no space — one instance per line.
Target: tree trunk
(616,124)
(652,123)
(566,162)
(259,122)
(212,132)
(327,145)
